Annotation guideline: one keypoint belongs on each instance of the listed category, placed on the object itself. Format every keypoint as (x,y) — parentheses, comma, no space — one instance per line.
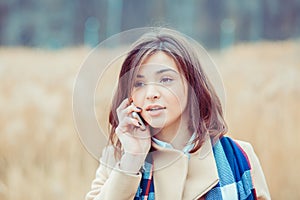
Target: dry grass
(41,156)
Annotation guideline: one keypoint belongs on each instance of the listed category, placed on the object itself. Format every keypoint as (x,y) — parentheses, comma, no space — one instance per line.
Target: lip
(156,106)
(155,110)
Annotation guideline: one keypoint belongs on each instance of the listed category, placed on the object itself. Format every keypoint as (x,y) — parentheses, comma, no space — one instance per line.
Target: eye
(139,84)
(166,80)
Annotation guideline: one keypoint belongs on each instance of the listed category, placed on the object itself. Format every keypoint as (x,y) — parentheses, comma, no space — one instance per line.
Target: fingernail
(139,108)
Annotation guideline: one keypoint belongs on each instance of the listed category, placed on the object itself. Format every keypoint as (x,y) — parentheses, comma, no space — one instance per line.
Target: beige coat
(176,177)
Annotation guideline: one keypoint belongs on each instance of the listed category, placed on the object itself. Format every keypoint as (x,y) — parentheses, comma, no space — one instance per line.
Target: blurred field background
(41,156)
(255,44)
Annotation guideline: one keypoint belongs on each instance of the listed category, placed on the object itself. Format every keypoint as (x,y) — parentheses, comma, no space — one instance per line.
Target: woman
(175,147)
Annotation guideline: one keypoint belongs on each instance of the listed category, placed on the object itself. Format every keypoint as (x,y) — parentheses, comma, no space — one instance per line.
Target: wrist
(132,163)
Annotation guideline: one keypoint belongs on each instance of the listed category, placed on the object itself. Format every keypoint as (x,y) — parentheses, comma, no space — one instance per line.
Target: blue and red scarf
(234,170)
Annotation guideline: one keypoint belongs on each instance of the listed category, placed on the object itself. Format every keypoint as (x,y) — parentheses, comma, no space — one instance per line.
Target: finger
(132,121)
(131,108)
(136,106)
(142,134)
(128,110)
(123,104)
(128,123)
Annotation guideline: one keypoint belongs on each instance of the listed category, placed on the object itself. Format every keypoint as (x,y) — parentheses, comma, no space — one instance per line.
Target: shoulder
(259,180)
(249,151)
(246,146)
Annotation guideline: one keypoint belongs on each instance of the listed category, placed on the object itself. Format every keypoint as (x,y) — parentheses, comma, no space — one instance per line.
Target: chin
(157,124)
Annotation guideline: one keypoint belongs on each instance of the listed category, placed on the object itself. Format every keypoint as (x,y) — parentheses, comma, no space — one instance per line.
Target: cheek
(178,103)
(138,98)
(179,97)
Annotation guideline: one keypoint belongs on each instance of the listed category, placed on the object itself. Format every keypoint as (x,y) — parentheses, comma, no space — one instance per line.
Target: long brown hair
(205,109)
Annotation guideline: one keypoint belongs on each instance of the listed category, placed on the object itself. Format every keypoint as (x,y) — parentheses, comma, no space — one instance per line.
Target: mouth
(155,108)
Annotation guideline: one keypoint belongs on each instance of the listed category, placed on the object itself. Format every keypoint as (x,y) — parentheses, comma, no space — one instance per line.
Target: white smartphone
(139,118)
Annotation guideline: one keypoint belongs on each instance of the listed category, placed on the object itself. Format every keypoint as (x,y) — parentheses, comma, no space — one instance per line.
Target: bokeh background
(256,45)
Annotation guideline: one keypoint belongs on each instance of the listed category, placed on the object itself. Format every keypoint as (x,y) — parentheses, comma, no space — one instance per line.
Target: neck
(177,133)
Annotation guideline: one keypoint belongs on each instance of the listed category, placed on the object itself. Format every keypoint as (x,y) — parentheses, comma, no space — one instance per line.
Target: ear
(130,100)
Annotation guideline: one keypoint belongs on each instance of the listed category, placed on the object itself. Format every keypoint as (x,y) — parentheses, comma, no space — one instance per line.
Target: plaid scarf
(235,181)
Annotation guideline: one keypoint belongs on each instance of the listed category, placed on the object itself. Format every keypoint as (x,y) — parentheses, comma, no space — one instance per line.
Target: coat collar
(193,177)
(173,154)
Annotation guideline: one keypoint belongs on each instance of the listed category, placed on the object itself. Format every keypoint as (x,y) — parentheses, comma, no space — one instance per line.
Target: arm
(259,180)
(111,182)
(120,179)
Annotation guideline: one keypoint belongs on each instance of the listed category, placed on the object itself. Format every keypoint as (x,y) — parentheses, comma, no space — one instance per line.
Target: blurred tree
(59,23)
(4,12)
(91,31)
(114,17)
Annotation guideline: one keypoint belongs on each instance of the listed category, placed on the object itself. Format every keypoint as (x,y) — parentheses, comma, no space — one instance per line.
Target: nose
(152,92)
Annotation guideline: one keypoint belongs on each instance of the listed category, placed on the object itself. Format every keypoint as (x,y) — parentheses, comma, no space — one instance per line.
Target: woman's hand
(136,142)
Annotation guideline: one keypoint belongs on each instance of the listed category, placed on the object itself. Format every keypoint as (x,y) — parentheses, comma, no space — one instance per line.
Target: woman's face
(160,90)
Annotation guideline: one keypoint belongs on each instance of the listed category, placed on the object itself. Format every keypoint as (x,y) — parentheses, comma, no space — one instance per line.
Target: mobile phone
(139,118)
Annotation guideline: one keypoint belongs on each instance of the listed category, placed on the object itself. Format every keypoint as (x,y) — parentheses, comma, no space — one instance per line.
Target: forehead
(158,60)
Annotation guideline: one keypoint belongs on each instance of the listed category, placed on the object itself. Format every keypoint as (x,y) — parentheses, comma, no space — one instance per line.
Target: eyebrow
(158,72)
